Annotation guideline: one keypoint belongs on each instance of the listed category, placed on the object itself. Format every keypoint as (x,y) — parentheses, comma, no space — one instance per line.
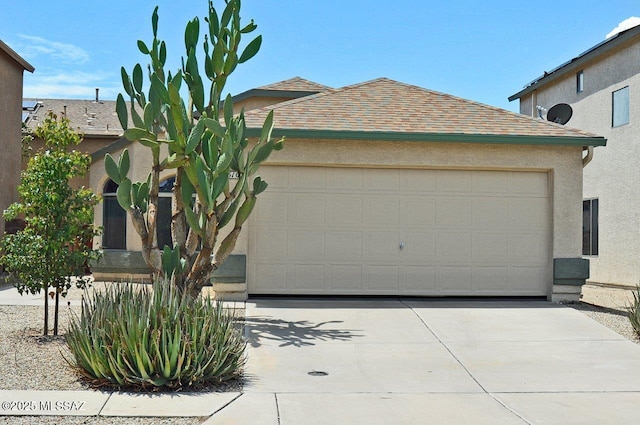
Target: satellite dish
(560,113)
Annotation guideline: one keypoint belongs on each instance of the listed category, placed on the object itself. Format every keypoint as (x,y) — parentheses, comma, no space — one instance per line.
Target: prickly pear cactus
(205,143)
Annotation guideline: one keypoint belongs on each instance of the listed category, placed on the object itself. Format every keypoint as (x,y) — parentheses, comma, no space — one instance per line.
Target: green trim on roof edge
(434,137)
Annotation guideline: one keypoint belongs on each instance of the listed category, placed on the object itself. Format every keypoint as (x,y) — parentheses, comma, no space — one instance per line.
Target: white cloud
(61,84)
(624,25)
(36,46)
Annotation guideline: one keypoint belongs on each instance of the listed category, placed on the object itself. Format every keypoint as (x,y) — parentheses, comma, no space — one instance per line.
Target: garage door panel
(277,177)
(344,245)
(490,279)
(344,278)
(421,181)
(272,209)
(344,209)
(416,232)
(490,247)
(490,213)
(418,213)
(527,184)
(345,180)
(491,183)
(454,181)
(269,244)
(454,280)
(454,212)
(270,275)
(527,214)
(419,246)
(381,278)
(311,178)
(306,244)
(453,246)
(382,180)
(418,279)
(527,280)
(381,245)
(307,209)
(527,248)
(381,211)
(306,277)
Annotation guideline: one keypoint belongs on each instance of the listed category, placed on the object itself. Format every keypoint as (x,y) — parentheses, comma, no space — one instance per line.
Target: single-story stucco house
(385,188)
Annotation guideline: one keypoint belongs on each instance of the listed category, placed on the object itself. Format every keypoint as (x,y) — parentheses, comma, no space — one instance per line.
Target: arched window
(163,218)
(114,219)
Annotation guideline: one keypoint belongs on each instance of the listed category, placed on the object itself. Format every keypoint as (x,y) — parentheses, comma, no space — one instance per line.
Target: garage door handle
(401,246)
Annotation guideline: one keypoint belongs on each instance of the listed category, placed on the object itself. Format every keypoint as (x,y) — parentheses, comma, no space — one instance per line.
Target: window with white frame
(620,107)
(114,219)
(590,227)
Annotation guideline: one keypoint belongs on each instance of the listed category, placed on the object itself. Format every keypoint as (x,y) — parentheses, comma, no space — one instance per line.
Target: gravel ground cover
(29,361)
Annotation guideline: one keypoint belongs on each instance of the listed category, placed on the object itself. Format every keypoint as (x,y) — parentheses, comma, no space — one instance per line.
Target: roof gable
(296,84)
(16,57)
(395,110)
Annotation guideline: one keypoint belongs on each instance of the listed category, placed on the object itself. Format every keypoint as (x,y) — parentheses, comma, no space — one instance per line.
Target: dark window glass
(163,223)
(590,227)
(114,219)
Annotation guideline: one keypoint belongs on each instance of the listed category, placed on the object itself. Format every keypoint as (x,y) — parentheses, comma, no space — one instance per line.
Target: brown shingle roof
(388,106)
(88,116)
(296,84)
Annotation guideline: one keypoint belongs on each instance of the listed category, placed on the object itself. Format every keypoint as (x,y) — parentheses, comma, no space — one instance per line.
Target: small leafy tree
(53,249)
(204,143)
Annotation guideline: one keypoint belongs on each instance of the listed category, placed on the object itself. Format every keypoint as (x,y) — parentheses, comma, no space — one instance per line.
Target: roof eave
(16,57)
(290,94)
(434,137)
(577,62)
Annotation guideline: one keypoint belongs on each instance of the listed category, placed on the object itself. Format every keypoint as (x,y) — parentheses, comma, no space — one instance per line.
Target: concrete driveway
(375,362)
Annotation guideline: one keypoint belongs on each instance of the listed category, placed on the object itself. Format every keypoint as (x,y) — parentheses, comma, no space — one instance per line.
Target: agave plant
(633,310)
(154,338)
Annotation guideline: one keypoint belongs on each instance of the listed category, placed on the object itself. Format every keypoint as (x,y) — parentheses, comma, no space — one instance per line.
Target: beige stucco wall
(563,165)
(613,174)
(140,158)
(10,130)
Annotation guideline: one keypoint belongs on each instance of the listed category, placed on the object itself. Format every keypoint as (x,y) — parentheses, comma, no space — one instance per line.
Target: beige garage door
(393,232)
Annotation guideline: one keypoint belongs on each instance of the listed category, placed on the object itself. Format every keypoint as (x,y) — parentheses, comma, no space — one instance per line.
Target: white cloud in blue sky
(36,46)
(54,84)
(624,25)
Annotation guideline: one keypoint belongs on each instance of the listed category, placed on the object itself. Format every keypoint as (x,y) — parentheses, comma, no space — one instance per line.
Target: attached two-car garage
(386,231)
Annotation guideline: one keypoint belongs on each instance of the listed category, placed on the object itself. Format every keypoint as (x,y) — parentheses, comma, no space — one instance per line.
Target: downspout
(587,159)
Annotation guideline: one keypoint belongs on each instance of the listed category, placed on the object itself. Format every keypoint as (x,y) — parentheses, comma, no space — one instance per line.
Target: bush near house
(173,338)
(633,311)
(154,338)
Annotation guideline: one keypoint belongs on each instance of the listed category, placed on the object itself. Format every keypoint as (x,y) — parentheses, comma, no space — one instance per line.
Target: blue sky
(479,50)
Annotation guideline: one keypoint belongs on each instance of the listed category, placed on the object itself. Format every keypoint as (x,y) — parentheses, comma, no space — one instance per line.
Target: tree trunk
(46,309)
(55,313)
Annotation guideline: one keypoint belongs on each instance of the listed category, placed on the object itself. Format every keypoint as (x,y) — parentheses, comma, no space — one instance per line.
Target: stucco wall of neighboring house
(613,175)
(10,130)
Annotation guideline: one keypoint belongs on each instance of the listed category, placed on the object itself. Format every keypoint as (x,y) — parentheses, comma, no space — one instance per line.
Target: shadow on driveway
(297,334)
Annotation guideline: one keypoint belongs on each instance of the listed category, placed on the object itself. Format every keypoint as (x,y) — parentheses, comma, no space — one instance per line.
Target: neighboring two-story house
(12,68)
(602,87)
